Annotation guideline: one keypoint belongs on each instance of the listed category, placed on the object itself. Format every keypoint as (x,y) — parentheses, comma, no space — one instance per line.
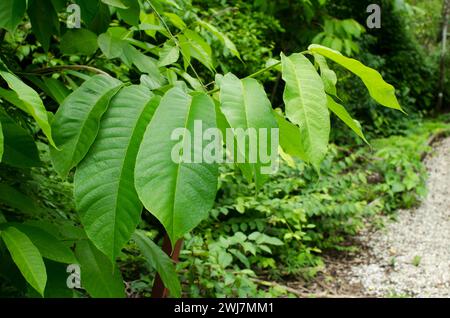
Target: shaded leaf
(11,13)
(78,42)
(17,200)
(26,256)
(98,275)
(43,29)
(159,260)
(19,148)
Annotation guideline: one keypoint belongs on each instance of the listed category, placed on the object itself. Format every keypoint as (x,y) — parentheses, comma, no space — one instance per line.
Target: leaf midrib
(177,173)
(302,108)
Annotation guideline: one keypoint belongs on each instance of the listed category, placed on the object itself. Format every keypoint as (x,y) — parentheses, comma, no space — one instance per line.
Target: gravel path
(411,256)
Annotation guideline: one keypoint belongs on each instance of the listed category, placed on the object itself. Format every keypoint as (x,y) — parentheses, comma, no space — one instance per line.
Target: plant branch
(59,68)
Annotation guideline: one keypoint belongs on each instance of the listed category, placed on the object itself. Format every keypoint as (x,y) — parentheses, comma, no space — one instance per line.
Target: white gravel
(411,256)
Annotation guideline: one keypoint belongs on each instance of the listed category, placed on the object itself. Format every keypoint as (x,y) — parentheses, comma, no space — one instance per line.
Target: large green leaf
(380,91)
(11,13)
(159,260)
(343,115)
(28,100)
(44,20)
(47,244)
(77,121)
(27,257)
(99,276)
(306,105)
(181,194)
(246,106)
(19,148)
(105,196)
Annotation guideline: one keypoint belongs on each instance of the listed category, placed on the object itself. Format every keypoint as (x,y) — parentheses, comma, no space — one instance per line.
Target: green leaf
(19,148)
(17,200)
(343,115)
(144,63)
(95,14)
(44,20)
(112,42)
(246,106)
(57,281)
(77,121)
(11,13)
(131,14)
(380,91)
(175,20)
(78,42)
(193,45)
(306,105)
(290,137)
(98,275)
(328,76)
(28,100)
(48,245)
(116,3)
(2,147)
(179,195)
(159,260)
(149,20)
(168,55)
(104,191)
(222,38)
(27,258)
(57,90)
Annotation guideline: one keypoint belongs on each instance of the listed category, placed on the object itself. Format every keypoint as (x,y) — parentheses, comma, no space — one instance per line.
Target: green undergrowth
(281,232)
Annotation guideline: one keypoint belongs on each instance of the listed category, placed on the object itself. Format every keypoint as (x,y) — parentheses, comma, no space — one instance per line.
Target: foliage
(100,104)
(395,50)
(302,216)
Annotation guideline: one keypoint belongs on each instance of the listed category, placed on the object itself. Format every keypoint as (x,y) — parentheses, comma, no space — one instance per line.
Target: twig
(55,69)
